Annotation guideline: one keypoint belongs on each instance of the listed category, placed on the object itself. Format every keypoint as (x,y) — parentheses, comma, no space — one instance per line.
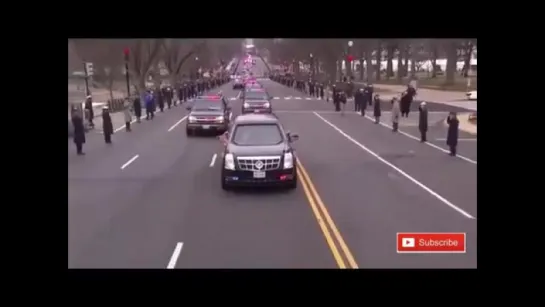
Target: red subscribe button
(427,242)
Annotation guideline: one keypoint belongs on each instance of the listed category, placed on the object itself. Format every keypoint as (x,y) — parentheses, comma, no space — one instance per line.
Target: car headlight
(267,105)
(246,105)
(219,119)
(288,160)
(229,162)
(192,119)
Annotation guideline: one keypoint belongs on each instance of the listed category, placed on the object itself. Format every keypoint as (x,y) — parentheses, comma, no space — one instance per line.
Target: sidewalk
(457,99)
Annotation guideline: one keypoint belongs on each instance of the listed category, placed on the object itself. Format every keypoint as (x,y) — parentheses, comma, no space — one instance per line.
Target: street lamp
(126,52)
(311,66)
(196,58)
(311,55)
(349,59)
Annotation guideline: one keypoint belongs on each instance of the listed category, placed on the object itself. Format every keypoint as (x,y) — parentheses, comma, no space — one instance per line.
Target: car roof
(256,119)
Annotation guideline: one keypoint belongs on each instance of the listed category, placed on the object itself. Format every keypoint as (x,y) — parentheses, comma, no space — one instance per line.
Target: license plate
(206,126)
(259,174)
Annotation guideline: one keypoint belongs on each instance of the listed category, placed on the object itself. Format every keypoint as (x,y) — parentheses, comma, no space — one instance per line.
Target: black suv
(208,113)
(256,101)
(258,152)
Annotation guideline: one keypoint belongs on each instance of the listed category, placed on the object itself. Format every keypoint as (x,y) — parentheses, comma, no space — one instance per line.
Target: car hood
(271,150)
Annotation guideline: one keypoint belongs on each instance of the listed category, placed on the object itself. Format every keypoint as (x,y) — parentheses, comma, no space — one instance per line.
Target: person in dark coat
(107,126)
(358,100)
(79,132)
(452,134)
(160,100)
(137,107)
(368,94)
(406,100)
(376,109)
(396,112)
(167,93)
(310,87)
(321,91)
(423,121)
(89,110)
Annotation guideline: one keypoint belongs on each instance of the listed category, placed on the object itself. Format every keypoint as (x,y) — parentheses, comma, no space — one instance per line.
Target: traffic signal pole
(87,91)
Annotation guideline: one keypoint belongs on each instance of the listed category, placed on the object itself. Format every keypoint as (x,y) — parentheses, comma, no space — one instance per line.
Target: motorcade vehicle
(258,152)
(208,114)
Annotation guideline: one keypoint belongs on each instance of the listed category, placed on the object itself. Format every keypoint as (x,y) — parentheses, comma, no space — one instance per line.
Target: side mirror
(293,137)
(188,108)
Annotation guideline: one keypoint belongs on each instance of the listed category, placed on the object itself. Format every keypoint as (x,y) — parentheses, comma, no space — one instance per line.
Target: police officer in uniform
(336,99)
(310,87)
(167,93)
(368,93)
(89,110)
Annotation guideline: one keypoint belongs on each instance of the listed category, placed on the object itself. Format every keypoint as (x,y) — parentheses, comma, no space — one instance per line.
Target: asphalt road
(153,198)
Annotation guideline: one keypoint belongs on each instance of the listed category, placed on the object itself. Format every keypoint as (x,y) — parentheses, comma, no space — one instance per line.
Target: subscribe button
(441,242)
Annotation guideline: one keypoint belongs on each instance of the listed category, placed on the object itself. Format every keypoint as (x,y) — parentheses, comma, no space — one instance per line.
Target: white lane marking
(308,98)
(400,171)
(175,255)
(298,98)
(427,143)
(463,139)
(177,123)
(213,160)
(129,162)
(276,97)
(287,98)
(233,98)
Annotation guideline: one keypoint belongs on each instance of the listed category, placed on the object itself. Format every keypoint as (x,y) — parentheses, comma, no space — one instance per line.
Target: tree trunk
(378,59)
(467,59)
(452,58)
(434,54)
(400,65)
(413,65)
(369,66)
(389,64)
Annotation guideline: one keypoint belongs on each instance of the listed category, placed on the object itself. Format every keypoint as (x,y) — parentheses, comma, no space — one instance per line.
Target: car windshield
(207,105)
(256,96)
(257,135)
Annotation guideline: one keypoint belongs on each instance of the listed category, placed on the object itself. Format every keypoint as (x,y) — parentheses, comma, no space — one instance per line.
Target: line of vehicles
(258,149)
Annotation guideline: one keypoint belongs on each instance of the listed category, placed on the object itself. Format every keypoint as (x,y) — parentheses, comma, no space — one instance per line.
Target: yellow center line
(321,223)
(316,202)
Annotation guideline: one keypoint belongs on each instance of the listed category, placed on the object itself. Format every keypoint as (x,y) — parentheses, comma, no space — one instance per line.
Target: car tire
(188,132)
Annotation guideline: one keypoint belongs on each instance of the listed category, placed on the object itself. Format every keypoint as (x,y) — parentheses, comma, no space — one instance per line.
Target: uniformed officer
(159,99)
(368,93)
(311,87)
(336,99)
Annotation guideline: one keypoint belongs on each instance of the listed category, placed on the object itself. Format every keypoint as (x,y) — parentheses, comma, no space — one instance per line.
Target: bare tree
(144,54)
(177,52)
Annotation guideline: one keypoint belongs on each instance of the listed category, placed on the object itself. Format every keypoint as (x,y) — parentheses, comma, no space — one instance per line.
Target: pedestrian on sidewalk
(376,109)
(423,121)
(396,111)
(89,110)
(79,131)
(368,93)
(107,126)
(452,134)
(321,91)
(160,100)
(150,107)
(359,101)
(127,112)
(137,107)
(406,100)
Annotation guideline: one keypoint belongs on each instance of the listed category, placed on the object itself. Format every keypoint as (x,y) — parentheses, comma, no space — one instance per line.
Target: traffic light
(126,52)
(89,69)
(350,58)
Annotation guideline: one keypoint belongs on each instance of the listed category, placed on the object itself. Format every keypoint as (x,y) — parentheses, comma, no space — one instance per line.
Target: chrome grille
(268,163)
